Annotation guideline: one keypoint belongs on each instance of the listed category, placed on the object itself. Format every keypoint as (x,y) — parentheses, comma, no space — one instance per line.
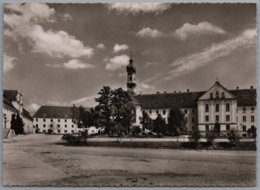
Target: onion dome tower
(131,75)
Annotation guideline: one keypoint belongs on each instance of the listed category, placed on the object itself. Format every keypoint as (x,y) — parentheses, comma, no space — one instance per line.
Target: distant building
(55,119)
(218,107)
(13,105)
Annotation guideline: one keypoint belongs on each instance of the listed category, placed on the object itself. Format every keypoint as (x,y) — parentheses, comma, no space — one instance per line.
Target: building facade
(55,119)
(216,108)
(13,105)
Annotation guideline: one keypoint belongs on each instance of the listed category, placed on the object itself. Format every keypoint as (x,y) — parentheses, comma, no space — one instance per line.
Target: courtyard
(36,160)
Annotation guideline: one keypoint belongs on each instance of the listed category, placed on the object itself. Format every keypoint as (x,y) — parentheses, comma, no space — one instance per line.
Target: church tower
(130,75)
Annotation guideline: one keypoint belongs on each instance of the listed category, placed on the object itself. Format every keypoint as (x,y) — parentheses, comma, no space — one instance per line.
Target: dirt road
(36,160)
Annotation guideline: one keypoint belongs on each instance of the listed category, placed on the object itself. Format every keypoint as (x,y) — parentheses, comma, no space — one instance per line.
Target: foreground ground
(37,160)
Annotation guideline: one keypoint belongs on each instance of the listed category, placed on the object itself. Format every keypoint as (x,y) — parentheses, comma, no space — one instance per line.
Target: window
(217,118)
(58,125)
(185,111)
(217,95)
(157,111)
(227,127)
(36,125)
(211,95)
(36,119)
(244,118)
(244,128)
(51,125)
(58,131)
(72,131)
(72,126)
(65,131)
(206,118)
(217,108)
(222,95)
(252,118)
(192,119)
(65,120)
(227,118)
(206,128)
(252,109)
(244,110)
(44,131)
(44,120)
(227,107)
(58,120)
(150,111)
(43,125)
(51,120)
(164,112)
(65,126)
(206,108)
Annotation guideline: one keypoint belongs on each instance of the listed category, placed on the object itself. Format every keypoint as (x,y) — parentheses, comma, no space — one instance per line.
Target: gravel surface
(35,160)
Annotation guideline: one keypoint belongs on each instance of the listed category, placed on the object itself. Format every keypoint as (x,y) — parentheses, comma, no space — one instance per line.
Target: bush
(210,136)
(195,137)
(233,137)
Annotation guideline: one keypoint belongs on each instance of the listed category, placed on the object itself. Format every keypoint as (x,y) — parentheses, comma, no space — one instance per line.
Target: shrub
(210,136)
(233,137)
(195,137)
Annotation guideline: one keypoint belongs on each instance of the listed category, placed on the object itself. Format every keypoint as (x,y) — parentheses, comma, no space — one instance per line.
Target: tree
(195,136)
(13,123)
(176,121)
(233,137)
(19,125)
(104,108)
(210,136)
(159,125)
(122,109)
(146,122)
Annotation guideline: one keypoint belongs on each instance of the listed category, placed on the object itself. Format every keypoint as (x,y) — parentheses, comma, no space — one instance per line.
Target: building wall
(7,112)
(58,126)
(249,113)
(28,125)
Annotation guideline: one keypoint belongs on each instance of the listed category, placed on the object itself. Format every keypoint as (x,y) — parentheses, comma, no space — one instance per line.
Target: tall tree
(19,124)
(159,125)
(146,122)
(176,121)
(122,109)
(104,108)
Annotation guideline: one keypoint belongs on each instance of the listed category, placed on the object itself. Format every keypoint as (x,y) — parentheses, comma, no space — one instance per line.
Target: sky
(63,54)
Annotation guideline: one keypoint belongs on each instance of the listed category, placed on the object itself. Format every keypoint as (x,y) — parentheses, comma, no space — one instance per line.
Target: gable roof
(8,103)
(11,94)
(54,112)
(245,97)
(26,114)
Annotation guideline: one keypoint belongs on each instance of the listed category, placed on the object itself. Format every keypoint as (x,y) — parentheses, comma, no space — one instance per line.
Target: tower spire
(131,75)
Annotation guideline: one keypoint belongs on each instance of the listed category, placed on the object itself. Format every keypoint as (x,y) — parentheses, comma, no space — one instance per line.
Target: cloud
(88,101)
(148,32)
(147,64)
(201,28)
(190,63)
(76,64)
(8,63)
(101,46)
(67,17)
(33,107)
(54,43)
(116,62)
(118,47)
(135,8)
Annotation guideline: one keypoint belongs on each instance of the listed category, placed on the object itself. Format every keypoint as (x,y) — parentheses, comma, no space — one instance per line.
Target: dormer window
(222,95)
(211,95)
(217,94)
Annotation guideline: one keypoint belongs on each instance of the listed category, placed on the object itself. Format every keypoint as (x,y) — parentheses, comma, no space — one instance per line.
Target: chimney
(251,87)
(188,90)
(237,87)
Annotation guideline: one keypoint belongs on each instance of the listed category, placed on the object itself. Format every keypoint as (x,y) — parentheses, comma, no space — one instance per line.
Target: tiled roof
(27,114)
(11,94)
(53,112)
(246,97)
(8,103)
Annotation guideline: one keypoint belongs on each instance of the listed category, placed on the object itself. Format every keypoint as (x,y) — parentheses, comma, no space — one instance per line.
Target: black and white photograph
(129,94)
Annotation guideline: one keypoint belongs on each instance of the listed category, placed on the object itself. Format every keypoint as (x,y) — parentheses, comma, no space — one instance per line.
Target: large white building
(13,105)
(55,119)
(217,107)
